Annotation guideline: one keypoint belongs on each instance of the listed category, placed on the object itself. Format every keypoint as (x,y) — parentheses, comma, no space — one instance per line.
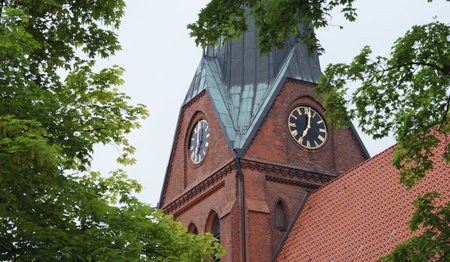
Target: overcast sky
(160,60)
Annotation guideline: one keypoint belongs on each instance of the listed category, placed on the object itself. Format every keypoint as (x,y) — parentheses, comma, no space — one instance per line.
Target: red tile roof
(362,215)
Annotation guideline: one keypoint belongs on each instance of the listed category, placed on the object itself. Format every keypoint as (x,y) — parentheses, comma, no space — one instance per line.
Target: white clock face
(198,141)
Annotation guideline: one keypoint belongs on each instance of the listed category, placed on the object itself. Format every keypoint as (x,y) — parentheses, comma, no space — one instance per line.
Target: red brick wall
(273,142)
(183,175)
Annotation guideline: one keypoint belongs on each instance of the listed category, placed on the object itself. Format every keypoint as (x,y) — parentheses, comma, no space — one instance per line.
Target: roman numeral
(321,138)
(320,121)
(307,110)
(323,130)
(206,144)
(299,112)
(315,143)
(294,132)
(292,124)
(308,144)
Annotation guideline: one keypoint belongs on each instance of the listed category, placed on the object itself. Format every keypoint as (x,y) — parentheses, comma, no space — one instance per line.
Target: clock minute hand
(308,126)
(200,141)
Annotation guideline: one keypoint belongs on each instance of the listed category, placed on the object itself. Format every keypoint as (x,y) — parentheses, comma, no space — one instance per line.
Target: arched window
(216,227)
(213,225)
(192,229)
(280,215)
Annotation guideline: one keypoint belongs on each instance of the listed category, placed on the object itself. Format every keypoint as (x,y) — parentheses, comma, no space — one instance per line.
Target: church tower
(251,143)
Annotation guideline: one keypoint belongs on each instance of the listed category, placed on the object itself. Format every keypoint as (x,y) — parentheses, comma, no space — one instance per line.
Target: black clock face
(307,127)
(198,142)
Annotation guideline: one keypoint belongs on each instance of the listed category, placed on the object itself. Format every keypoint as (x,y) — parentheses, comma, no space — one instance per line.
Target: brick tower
(251,143)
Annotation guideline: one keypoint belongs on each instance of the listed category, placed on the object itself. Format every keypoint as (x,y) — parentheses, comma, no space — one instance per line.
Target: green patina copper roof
(242,83)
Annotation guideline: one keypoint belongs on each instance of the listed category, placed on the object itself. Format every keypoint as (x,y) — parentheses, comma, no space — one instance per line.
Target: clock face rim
(313,110)
(208,134)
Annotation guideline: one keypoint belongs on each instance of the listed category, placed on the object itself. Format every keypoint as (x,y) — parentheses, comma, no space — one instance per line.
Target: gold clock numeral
(299,112)
(320,121)
(315,143)
(291,124)
(321,138)
(323,130)
(308,144)
(294,132)
(307,110)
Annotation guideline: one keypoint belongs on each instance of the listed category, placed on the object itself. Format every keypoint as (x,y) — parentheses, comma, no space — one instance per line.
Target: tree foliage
(54,108)
(276,20)
(406,94)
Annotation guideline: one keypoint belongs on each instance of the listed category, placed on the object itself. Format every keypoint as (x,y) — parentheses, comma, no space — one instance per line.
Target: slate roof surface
(362,215)
(242,83)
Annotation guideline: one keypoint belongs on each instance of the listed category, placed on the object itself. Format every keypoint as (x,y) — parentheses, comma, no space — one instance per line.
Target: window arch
(192,229)
(213,225)
(280,215)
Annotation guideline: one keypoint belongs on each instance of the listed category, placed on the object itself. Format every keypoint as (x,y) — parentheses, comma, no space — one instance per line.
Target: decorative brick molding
(291,182)
(279,174)
(285,171)
(212,183)
(200,198)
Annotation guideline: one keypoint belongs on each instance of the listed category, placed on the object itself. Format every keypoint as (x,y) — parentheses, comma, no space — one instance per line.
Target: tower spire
(242,82)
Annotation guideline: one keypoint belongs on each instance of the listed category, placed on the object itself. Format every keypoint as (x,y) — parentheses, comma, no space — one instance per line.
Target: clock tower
(251,143)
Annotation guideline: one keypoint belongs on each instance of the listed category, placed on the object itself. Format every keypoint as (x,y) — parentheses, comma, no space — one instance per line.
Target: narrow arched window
(213,225)
(193,229)
(216,227)
(280,216)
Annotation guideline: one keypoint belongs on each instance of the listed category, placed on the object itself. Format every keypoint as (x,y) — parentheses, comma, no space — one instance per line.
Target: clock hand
(309,118)
(308,126)
(200,142)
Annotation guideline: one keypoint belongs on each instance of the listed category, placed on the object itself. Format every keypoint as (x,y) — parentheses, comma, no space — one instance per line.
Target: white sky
(160,60)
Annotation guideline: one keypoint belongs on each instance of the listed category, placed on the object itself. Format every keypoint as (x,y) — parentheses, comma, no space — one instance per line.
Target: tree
(54,107)
(406,94)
